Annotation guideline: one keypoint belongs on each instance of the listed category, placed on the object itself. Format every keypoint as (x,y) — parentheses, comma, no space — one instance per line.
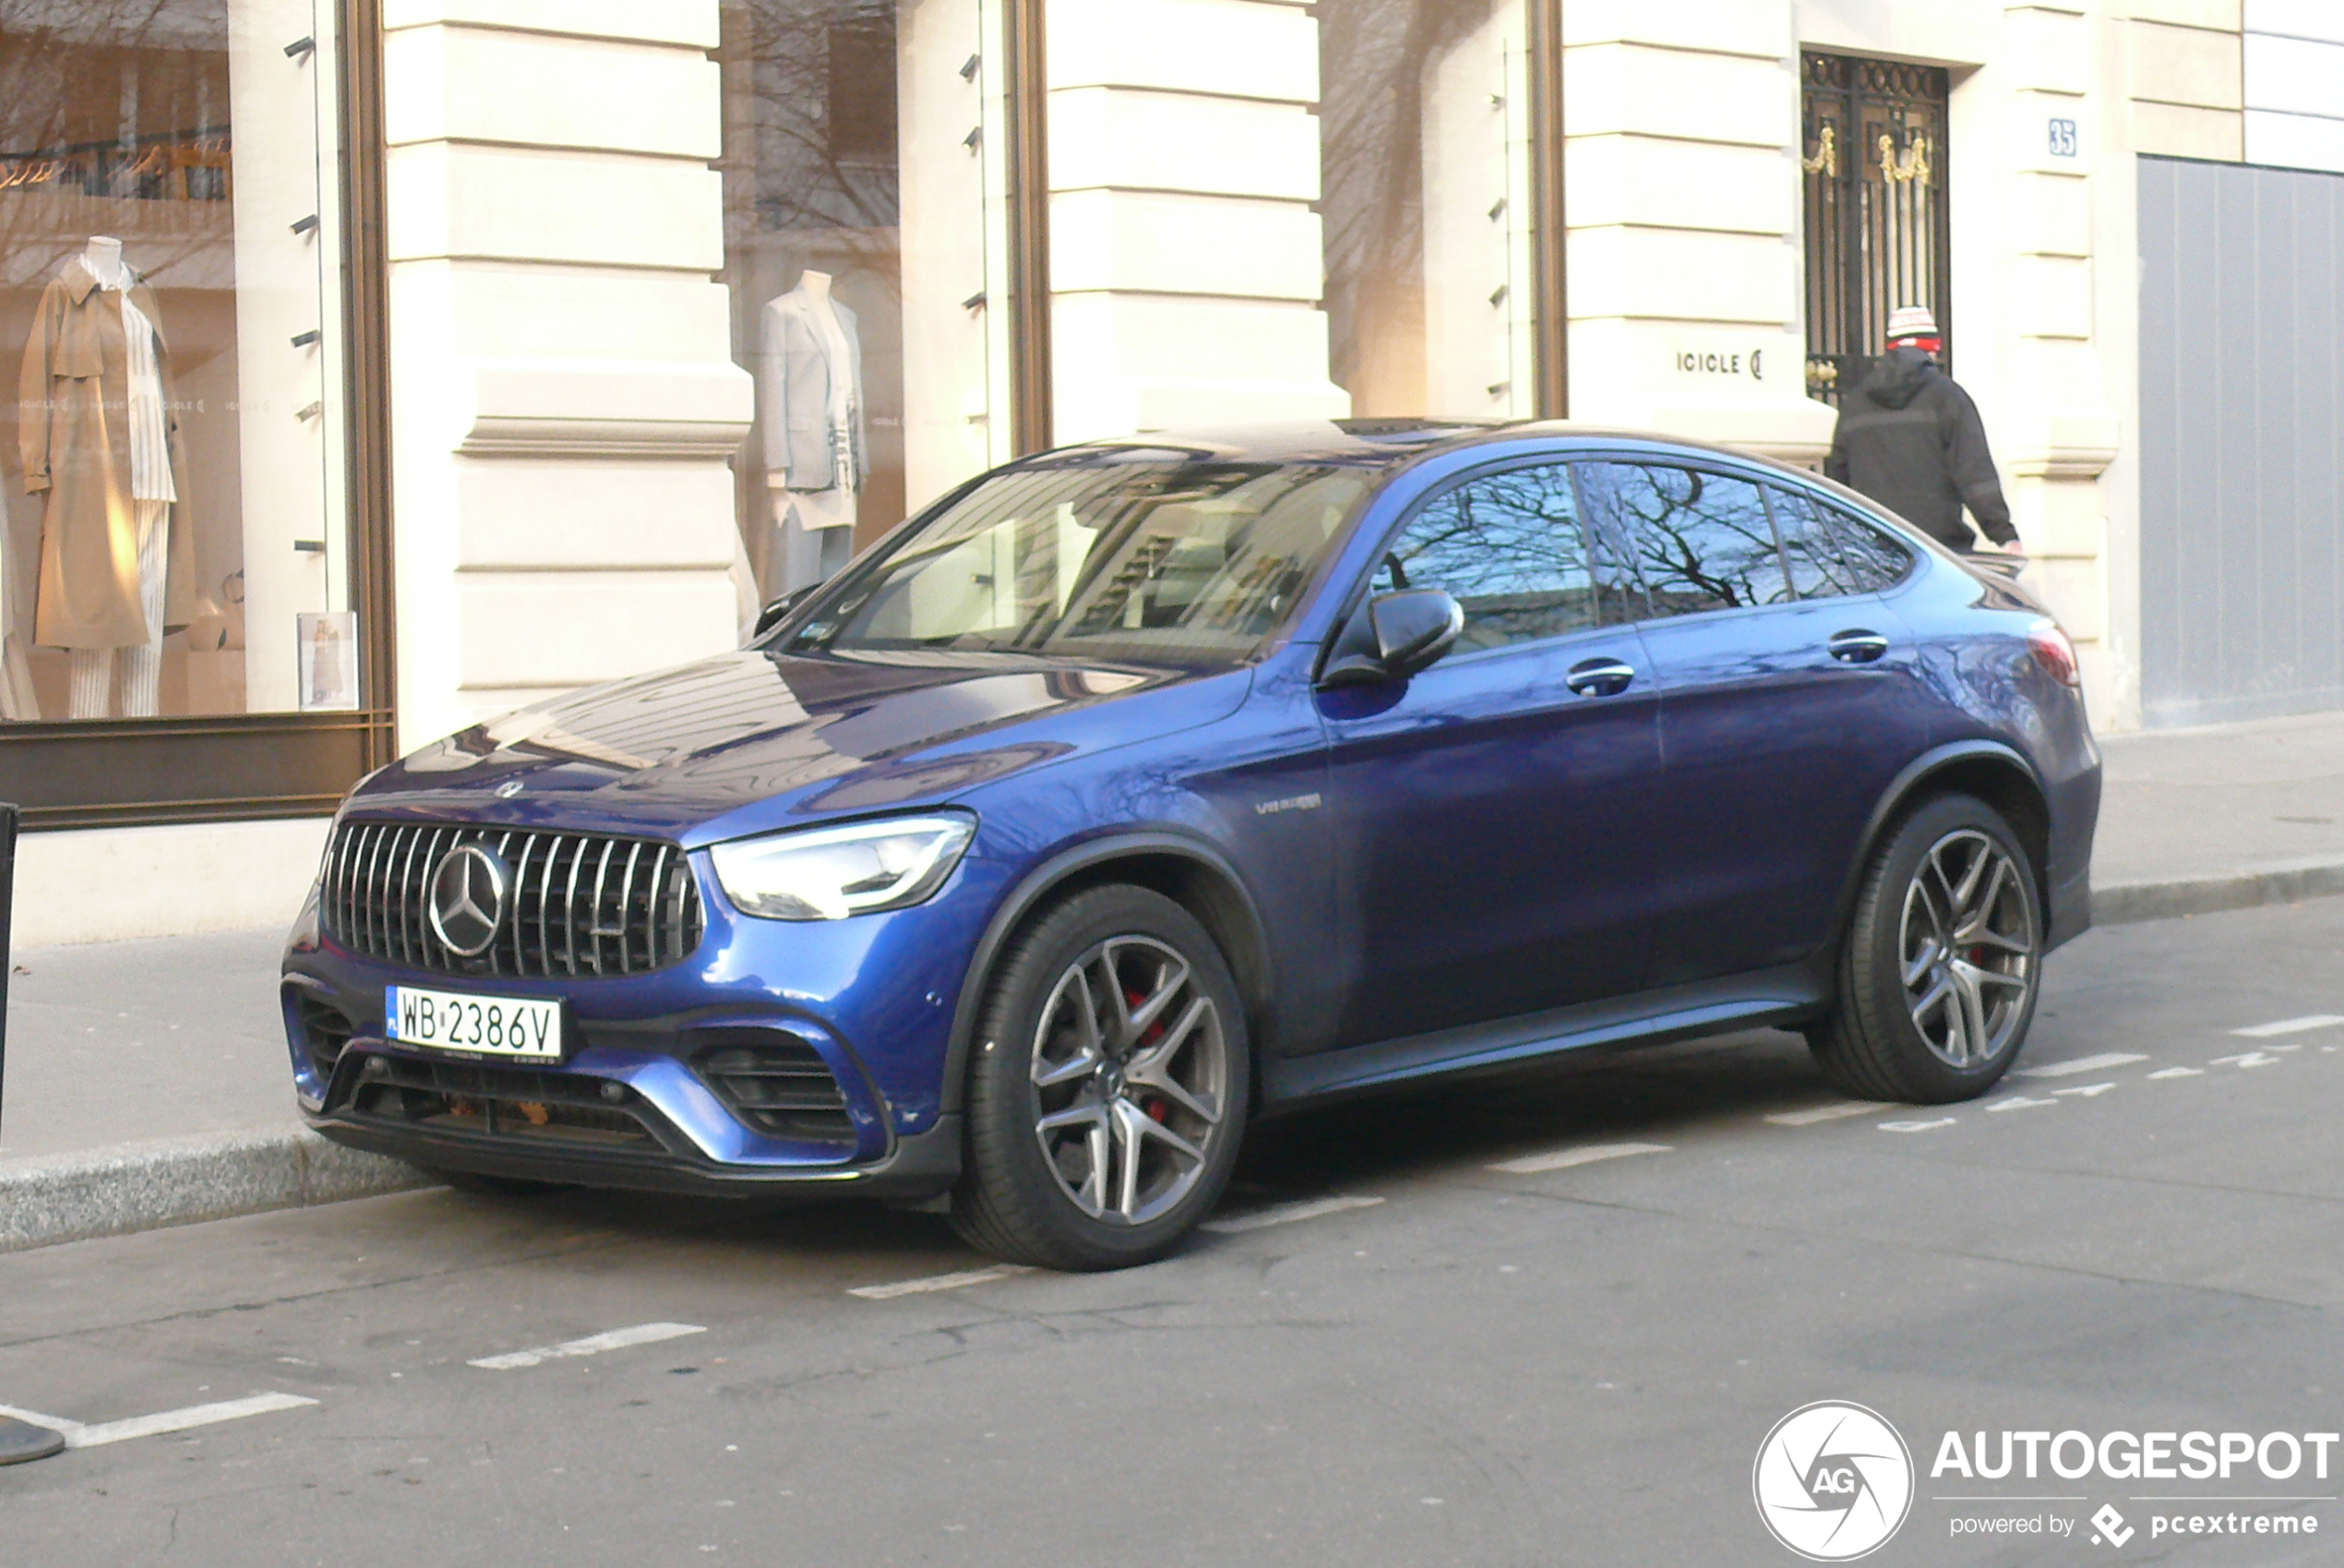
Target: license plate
(493,1027)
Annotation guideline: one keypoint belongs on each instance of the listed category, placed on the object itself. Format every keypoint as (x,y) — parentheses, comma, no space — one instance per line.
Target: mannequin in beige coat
(73,420)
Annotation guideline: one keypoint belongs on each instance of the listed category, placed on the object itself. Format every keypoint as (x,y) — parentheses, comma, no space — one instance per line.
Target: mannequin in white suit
(816,429)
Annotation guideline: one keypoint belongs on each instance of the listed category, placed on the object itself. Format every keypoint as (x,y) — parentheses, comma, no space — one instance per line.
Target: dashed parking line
(2289,1025)
(1917,1126)
(2081,1064)
(2246,1060)
(593,1345)
(1828,1113)
(2017,1102)
(2086,1091)
(1563,1159)
(1286,1213)
(80,1436)
(2179,1073)
(928,1282)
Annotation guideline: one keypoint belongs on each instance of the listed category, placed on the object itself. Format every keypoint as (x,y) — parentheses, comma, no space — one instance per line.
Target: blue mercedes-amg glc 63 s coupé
(1139,790)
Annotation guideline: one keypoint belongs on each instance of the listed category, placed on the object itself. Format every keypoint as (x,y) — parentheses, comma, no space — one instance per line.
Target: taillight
(2054,652)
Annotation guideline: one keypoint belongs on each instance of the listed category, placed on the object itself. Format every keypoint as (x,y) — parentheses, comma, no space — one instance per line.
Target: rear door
(1488,812)
(1789,700)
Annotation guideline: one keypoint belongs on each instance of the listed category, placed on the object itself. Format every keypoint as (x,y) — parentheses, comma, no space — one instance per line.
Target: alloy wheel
(1968,948)
(1130,1079)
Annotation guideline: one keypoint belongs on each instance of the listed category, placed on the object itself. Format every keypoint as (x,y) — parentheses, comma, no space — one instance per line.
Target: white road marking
(938,1282)
(2179,1073)
(2289,1026)
(2081,1064)
(593,1345)
(98,1436)
(1563,1159)
(1285,1214)
(2086,1091)
(2246,1060)
(1827,1113)
(2017,1102)
(1916,1126)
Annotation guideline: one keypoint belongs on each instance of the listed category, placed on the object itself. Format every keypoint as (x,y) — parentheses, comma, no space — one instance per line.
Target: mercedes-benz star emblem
(468,898)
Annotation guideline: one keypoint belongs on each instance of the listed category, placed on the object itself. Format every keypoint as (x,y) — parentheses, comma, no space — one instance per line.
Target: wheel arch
(1191,873)
(1995,774)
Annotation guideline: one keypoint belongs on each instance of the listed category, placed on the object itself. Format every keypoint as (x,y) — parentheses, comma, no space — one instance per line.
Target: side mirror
(772,615)
(1395,635)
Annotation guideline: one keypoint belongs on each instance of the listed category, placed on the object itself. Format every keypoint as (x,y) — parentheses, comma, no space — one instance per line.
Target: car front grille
(506,1102)
(579,905)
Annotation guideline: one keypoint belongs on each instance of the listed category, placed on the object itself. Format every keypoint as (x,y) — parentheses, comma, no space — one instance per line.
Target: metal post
(19,1441)
(1550,234)
(1031,395)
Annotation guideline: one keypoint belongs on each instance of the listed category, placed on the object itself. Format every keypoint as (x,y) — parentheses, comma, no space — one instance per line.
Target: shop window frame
(146,772)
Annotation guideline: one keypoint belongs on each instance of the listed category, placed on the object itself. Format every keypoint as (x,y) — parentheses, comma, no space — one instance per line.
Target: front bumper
(921,1166)
(861,1008)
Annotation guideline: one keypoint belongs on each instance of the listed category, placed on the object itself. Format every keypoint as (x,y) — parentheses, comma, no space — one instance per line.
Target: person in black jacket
(1912,439)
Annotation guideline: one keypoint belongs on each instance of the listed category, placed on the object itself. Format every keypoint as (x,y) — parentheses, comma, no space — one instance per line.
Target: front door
(1788,704)
(1490,812)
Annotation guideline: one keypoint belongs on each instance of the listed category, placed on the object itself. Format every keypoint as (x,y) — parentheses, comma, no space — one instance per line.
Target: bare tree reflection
(1509,549)
(1831,553)
(1702,540)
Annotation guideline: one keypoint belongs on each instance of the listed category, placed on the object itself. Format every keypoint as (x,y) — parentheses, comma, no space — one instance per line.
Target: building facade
(510,345)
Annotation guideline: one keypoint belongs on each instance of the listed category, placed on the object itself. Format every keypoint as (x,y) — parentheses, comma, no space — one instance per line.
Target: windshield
(1138,554)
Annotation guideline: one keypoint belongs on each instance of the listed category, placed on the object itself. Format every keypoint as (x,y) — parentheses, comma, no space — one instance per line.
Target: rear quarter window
(1831,551)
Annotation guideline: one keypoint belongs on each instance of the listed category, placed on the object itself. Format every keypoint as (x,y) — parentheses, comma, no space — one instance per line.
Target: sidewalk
(148,1084)
(148,1080)
(2200,819)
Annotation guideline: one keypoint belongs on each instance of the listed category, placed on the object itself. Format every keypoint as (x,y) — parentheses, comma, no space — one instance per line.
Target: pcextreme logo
(1833,1481)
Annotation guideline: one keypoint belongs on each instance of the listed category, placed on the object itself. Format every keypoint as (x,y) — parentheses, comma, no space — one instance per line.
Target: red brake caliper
(1158,1109)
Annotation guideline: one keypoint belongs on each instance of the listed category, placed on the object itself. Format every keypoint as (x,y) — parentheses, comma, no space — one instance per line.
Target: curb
(2126,904)
(181,1180)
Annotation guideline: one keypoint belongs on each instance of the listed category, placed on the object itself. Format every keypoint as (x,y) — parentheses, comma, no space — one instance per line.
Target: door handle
(1600,678)
(1857,647)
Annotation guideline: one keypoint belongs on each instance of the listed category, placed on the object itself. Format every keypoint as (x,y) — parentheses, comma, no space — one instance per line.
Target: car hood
(754,739)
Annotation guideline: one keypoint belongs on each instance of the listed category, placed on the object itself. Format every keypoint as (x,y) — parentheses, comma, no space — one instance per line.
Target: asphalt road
(1465,1365)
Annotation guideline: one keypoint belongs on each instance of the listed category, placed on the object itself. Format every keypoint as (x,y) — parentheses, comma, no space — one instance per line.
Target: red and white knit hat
(1911,321)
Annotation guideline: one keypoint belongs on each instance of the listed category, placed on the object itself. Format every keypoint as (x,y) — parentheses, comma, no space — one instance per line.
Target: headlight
(830,873)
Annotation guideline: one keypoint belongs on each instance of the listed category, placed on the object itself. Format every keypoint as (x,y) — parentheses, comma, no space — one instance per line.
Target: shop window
(1425,205)
(1876,210)
(176,539)
(1296,213)
(863,192)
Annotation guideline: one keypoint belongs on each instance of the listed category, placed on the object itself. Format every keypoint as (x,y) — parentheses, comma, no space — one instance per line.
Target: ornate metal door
(1874,159)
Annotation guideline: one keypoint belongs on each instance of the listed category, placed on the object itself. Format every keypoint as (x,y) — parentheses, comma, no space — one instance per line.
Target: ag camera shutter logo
(1833,1481)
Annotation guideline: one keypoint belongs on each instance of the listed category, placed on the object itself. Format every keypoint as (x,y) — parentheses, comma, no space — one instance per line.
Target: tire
(1057,1106)
(1952,868)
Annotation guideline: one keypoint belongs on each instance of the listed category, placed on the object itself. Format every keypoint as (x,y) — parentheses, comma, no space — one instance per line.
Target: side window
(1874,559)
(1508,548)
(1702,541)
(1809,547)
(1832,551)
